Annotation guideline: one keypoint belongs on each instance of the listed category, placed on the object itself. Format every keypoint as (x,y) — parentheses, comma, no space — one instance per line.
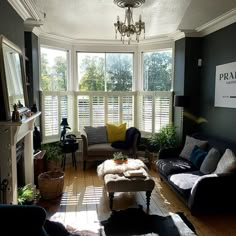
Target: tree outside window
(157,70)
(105,71)
(54,69)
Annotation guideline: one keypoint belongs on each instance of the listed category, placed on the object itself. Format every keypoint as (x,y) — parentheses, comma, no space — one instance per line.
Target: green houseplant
(25,194)
(53,155)
(166,138)
(120,158)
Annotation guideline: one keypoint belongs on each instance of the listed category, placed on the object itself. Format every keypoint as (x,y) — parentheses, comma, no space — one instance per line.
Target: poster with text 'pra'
(225,87)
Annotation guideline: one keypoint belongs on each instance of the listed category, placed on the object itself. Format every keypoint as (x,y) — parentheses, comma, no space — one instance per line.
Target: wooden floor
(84,204)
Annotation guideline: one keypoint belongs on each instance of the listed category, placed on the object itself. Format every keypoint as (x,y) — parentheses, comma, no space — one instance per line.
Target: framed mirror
(13,79)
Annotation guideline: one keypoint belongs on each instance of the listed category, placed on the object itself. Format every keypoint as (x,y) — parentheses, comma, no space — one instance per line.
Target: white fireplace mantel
(10,134)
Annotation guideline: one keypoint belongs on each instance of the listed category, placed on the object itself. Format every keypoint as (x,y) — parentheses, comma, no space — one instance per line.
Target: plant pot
(120,161)
(51,184)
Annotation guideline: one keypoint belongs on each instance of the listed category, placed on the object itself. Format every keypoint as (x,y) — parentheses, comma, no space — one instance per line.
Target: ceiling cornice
(73,41)
(29,12)
(218,23)
(26,9)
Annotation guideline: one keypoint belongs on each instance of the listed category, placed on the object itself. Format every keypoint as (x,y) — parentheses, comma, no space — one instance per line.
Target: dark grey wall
(11,24)
(217,48)
(12,27)
(32,67)
(187,82)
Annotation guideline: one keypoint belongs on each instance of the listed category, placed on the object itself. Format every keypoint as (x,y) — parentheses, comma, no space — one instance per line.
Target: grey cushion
(227,163)
(189,145)
(210,162)
(96,134)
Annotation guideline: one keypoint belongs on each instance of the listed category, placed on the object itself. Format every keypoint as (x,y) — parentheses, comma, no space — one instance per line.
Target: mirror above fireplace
(13,83)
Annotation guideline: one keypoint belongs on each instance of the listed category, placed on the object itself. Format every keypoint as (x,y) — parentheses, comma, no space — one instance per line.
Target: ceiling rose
(129,3)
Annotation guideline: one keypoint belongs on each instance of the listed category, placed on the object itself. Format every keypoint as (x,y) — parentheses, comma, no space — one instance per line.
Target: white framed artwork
(225,85)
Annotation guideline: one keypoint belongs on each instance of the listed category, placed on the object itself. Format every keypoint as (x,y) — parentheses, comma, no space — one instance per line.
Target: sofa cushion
(227,163)
(104,149)
(190,144)
(184,181)
(130,135)
(171,166)
(116,132)
(197,156)
(96,134)
(210,162)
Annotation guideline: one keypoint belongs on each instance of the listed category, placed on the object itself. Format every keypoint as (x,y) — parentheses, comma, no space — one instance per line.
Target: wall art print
(225,86)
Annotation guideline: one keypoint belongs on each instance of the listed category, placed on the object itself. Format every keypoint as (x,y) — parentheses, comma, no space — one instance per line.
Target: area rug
(134,221)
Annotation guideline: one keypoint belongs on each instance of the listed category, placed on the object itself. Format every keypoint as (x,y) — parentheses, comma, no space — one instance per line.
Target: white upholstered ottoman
(121,182)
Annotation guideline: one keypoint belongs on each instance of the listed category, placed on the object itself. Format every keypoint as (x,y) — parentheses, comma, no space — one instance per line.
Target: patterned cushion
(169,166)
(189,145)
(227,163)
(96,134)
(210,162)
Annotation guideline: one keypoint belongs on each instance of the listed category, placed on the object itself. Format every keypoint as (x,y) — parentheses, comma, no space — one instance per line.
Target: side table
(69,147)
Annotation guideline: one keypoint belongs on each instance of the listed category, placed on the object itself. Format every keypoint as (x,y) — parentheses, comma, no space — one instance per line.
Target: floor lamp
(182,102)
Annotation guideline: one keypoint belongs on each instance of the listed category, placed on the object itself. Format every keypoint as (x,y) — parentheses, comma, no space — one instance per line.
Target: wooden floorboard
(85,203)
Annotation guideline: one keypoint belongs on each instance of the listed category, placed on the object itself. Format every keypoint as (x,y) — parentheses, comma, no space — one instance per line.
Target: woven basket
(51,184)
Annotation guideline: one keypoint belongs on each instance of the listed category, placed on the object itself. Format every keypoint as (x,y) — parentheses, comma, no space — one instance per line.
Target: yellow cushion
(116,132)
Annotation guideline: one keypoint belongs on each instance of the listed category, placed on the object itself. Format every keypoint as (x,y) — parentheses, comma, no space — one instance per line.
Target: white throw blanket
(110,167)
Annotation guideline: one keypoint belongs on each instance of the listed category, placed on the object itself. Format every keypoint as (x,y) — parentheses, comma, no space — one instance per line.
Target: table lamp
(65,125)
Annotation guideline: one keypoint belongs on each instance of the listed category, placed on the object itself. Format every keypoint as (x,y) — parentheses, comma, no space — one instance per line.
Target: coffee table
(121,182)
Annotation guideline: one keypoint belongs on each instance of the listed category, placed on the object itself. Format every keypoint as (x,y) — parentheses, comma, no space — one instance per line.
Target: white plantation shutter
(113,113)
(145,110)
(98,110)
(128,110)
(153,111)
(83,108)
(162,112)
(66,109)
(50,115)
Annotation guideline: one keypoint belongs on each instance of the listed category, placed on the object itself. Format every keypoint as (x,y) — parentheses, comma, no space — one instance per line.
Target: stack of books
(134,174)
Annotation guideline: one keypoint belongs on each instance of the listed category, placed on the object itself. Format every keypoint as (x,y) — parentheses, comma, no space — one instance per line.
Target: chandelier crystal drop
(128,28)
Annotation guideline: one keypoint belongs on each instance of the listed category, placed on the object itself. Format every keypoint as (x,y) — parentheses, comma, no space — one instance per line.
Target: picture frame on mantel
(13,80)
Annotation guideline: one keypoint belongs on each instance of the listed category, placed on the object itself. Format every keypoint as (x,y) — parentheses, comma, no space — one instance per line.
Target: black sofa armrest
(170,153)
(22,220)
(213,193)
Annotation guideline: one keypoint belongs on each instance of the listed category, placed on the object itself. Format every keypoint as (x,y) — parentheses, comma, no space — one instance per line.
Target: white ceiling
(94,19)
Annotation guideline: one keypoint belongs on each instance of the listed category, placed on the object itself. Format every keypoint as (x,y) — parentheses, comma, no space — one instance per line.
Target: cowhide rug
(134,221)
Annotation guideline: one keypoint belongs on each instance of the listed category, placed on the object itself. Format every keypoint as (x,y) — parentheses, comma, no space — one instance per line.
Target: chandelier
(127,28)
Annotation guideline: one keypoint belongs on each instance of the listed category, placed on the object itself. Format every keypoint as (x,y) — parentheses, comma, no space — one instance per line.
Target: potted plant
(166,138)
(120,158)
(25,194)
(53,155)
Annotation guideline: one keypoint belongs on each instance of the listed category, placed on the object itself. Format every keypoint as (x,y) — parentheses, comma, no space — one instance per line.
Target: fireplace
(12,134)
(20,163)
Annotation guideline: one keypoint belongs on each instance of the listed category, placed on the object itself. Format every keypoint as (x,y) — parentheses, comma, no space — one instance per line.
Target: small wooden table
(69,147)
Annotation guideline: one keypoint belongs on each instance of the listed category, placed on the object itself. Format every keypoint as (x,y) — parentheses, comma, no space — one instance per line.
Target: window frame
(69,66)
(105,72)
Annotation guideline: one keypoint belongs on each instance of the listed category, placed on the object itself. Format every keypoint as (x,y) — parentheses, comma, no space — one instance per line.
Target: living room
(196,52)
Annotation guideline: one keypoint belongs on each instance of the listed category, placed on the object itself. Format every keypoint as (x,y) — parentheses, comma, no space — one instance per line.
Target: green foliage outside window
(157,71)
(53,70)
(105,71)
